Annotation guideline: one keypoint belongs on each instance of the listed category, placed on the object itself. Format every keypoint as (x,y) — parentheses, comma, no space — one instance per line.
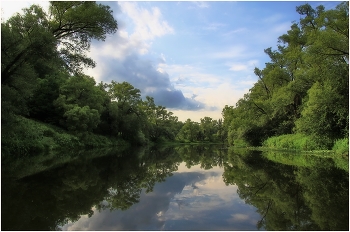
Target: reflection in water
(176,205)
(174,188)
(313,195)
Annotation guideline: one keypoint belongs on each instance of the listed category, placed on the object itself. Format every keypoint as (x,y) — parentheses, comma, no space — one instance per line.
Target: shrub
(66,140)
(341,146)
(293,142)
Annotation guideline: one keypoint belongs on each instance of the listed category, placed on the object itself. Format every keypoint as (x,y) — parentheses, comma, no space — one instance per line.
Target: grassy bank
(27,136)
(302,142)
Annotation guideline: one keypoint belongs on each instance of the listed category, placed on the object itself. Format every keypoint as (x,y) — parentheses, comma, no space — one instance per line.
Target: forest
(300,100)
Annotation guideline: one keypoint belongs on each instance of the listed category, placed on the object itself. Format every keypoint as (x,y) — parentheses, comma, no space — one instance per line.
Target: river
(175,188)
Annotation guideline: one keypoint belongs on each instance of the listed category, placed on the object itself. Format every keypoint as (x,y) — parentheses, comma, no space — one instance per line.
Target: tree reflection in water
(291,197)
(302,196)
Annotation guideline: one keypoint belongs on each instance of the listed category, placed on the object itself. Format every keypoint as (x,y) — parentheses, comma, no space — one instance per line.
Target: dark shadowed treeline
(301,98)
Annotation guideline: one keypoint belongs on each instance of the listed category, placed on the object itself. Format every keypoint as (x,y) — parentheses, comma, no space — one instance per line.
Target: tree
(190,131)
(130,117)
(39,51)
(81,119)
(160,124)
(28,50)
(74,24)
(307,78)
(325,115)
(208,128)
(26,41)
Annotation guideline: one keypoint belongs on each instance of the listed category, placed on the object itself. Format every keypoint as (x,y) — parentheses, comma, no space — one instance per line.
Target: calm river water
(175,188)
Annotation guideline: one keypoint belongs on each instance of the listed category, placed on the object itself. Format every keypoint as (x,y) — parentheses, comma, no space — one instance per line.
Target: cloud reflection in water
(191,199)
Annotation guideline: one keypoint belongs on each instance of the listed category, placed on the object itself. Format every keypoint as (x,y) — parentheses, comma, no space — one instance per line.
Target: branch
(261,110)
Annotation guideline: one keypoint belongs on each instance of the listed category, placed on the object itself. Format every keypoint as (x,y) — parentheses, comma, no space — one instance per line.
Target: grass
(293,142)
(25,136)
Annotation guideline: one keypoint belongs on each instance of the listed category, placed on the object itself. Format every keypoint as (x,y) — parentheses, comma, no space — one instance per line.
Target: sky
(191,57)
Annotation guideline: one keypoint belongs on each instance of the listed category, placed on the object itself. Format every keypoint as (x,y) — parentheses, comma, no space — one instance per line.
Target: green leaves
(81,21)
(81,119)
(305,84)
(324,115)
(74,25)
(37,47)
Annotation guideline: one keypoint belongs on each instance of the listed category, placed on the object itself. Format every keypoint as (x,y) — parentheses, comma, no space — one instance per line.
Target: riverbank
(28,136)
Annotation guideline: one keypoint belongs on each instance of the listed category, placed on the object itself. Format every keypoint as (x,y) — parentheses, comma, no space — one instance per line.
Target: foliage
(306,194)
(31,137)
(207,130)
(341,146)
(310,160)
(43,56)
(74,24)
(304,89)
(293,141)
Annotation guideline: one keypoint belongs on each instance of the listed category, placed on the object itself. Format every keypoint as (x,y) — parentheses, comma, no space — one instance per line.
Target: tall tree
(35,45)
(74,24)
(304,88)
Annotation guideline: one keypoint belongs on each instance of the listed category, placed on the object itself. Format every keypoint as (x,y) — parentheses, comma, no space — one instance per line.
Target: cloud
(240,66)
(240,217)
(162,60)
(201,4)
(148,24)
(214,26)
(152,81)
(174,99)
(9,8)
(124,57)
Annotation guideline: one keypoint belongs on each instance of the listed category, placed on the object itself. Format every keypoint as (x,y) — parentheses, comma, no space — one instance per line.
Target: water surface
(174,188)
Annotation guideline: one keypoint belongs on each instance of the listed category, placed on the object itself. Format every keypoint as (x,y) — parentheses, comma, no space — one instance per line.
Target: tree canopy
(304,88)
(302,92)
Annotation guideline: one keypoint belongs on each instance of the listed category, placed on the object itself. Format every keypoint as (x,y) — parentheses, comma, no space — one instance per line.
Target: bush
(25,136)
(240,143)
(341,146)
(293,142)
(65,140)
(21,138)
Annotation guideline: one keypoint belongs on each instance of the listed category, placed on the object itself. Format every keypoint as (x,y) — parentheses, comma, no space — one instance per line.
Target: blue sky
(192,57)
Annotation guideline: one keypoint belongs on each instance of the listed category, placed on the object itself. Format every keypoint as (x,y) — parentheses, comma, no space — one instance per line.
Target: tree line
(301,98)
(42,60)
(299,101)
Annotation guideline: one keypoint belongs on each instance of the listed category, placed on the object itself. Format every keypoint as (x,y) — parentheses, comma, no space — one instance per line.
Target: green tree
(81,99)
(74,24)
(27,48)
(82,90)
(307,78)
(130,117)
(39,51)
(325,115)
(160,122)
(190,131)
(81,119)
(208,128)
